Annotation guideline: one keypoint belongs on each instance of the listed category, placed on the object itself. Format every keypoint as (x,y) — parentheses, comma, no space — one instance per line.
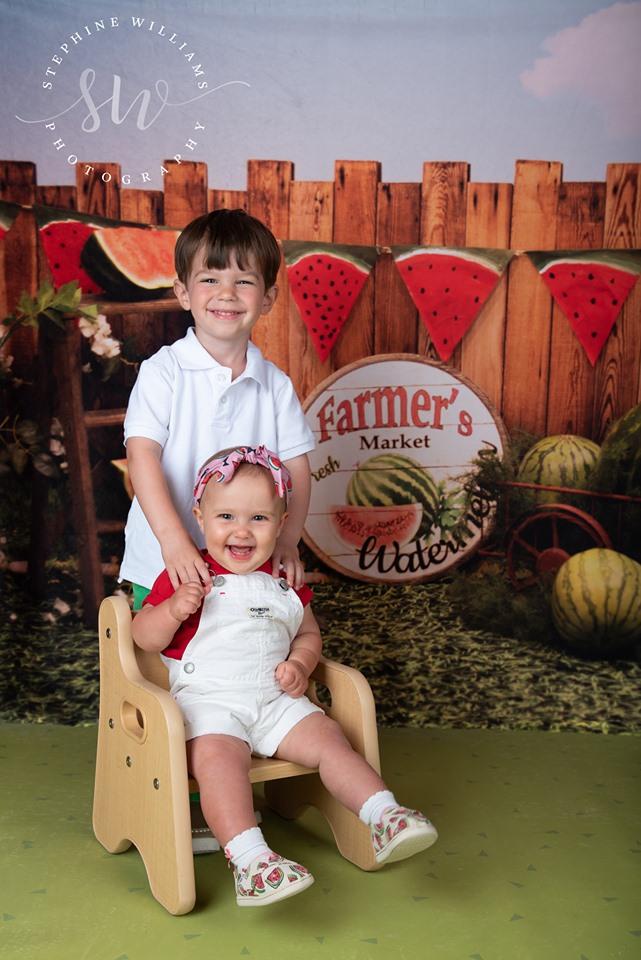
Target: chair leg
(289,798)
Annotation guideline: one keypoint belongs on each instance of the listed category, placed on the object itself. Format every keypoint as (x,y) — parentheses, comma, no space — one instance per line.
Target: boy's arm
(154,627)
(293,674)
(182,558)
(286,550)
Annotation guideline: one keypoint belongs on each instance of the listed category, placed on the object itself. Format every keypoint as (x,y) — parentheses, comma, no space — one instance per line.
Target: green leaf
(19,457)
(27,432)
(45,296)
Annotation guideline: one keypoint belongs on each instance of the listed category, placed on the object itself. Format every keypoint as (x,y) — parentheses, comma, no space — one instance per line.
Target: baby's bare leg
(318,741)
(220,764)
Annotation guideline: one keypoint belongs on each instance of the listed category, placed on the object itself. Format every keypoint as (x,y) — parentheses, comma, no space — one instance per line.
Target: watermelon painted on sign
(396,434)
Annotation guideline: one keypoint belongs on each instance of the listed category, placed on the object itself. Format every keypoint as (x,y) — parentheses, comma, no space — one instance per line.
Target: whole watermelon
(596,602)
(390,479)
(563,460)
(618,470)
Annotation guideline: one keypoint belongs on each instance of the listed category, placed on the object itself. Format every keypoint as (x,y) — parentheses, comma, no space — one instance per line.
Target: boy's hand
(286,560)
(183,560)
(292,678)
(187,599)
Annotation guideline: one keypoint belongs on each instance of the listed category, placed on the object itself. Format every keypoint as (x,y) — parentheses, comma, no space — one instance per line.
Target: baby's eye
(259,516)
(224,516)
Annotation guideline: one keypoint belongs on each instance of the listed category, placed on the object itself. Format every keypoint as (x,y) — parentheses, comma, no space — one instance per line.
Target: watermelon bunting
(8,213)
(449,287)
(63,234)
(590,287)
(325,280)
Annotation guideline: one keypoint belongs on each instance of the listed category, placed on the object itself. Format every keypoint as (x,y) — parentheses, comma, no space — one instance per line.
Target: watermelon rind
(628,260)
(561,460)
(361,257)
(45,215)
(390,479)
(488,257)
(123,280)
(596,601)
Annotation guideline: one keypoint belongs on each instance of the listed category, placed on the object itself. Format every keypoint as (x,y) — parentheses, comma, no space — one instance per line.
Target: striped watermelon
(559,461)
(596,601)
(390,479)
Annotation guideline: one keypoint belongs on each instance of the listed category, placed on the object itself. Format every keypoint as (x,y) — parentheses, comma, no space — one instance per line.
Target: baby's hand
(286,556)
(187,599)
(292,678)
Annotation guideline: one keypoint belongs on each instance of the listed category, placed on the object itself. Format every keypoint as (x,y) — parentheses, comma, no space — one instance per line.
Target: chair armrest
(352,706)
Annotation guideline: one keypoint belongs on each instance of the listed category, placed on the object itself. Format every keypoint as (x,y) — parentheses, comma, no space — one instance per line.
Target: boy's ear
(181,294)
(269,299)
(199,517)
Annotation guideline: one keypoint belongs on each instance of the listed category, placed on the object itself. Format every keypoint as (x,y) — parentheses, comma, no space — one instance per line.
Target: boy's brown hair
(223,233)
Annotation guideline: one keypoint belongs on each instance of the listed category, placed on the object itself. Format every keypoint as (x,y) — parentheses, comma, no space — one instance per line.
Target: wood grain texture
(227,199)
(98,191)
(311,212)
(489,212)
(443,216)
(571,378)
(355,195)
(527,339)
(268,185)
(618,369)
(398,213)
(185,192)
(62,197)
(18,184)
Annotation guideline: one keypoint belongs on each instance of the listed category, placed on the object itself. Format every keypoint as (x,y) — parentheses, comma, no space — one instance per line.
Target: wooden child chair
(142,786)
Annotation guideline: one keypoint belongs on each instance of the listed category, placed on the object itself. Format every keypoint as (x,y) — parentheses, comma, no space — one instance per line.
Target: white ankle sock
(373,807)
(246,846)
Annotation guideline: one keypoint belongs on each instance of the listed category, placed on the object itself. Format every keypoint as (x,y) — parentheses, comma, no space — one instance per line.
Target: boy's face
(241,520)
(225,304)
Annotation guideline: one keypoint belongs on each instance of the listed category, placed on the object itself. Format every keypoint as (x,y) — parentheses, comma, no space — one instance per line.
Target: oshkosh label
(396,436)
(260,613)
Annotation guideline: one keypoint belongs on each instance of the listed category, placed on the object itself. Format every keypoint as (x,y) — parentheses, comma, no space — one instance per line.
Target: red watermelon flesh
(63,242)
(325,287)
(449,289)
(591,295)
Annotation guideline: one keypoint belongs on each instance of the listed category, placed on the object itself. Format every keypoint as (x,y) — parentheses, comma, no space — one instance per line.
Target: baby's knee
(331,734)
(215,750)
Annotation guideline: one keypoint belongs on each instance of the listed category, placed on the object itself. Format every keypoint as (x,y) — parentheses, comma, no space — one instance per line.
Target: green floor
(539,857)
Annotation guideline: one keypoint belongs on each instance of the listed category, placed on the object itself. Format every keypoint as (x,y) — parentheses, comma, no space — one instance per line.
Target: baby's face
(241,520)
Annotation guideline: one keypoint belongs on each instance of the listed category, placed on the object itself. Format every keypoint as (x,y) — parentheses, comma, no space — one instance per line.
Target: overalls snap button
(219,581)
(189,668)
(283,584)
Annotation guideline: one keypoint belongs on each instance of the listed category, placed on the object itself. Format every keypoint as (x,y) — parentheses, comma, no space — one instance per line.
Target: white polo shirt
(187,402)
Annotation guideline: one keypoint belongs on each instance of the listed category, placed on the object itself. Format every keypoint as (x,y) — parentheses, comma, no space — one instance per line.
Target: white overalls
(225,681)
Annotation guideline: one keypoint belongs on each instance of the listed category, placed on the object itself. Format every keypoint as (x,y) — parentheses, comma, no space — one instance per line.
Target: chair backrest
(152,667)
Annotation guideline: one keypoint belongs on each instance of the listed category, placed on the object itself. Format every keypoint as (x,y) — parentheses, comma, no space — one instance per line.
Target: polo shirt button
(189,667)
(283,584)
(219,581)
(223,399)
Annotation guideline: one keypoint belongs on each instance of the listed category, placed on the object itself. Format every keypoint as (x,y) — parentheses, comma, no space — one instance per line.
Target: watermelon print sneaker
(268,879)
(401,833)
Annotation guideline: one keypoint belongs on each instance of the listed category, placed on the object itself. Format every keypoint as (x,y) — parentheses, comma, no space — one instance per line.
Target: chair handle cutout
(133,721)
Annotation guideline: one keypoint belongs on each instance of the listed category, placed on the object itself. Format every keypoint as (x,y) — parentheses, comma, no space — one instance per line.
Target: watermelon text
(390,407)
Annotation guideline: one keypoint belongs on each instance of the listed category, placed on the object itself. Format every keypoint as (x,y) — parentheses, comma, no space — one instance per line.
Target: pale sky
(399,81)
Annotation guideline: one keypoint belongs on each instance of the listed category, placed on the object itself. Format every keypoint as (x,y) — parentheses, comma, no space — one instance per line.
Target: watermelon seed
(445,340)
(447,289)
(551,276)
(593,300)
(434,313)
(590,276)
(422,289)
(409,269)
(331,283)
(430,266)
(305,296)
(573,274)
(453,269)
(594,333)
(476,299)
(317,281)
(576,315)
(614,303)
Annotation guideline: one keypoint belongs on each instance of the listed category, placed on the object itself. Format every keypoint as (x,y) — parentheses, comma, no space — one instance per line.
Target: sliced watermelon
(8,213)
(449,287)
(63,234)
(131,263)
(325,281)
(590,287)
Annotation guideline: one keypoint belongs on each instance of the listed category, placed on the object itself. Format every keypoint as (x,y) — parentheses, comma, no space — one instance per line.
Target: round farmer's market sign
(395,434)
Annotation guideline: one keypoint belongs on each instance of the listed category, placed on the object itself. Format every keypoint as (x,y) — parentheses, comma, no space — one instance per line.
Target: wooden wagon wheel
(543,539)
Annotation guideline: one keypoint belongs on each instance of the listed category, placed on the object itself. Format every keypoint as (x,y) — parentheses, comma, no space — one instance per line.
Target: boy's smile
(241,520)
(225,303)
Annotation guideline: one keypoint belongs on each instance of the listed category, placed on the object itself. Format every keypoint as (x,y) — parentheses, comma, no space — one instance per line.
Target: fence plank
(443,213)
(571,382)
(268,185)
(489,212)
(142,206)
(185,192)
(311,211)
(398,212)
(93,194)
(527,335)
(64,198)
(227,199)
(18,184)
(618,373)
(355,193)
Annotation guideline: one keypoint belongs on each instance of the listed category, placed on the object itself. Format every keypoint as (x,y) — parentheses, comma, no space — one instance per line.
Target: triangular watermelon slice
(325,280)
(449,287)
(63,234)
(590,287)
(8,213)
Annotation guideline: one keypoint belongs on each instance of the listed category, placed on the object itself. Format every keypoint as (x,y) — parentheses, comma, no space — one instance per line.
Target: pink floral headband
(222,469)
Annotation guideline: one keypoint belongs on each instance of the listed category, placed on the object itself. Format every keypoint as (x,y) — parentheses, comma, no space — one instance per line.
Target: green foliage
(48,310)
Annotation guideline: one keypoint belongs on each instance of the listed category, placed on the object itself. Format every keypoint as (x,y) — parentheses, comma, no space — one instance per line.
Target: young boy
(240,649)
(208,390)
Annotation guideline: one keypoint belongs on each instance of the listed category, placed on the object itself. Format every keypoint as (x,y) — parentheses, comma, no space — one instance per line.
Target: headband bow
(222,469)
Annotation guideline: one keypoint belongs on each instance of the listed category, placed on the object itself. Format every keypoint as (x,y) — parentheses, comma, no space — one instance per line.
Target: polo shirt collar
(191,355)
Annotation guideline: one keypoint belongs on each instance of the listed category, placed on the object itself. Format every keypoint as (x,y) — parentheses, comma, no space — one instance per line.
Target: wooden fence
(520,352)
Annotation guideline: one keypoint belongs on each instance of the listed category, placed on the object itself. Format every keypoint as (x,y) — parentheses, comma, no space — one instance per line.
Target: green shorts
(139,595)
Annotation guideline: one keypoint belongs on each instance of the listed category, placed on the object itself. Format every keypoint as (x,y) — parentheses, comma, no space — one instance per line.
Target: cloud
(599,61)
